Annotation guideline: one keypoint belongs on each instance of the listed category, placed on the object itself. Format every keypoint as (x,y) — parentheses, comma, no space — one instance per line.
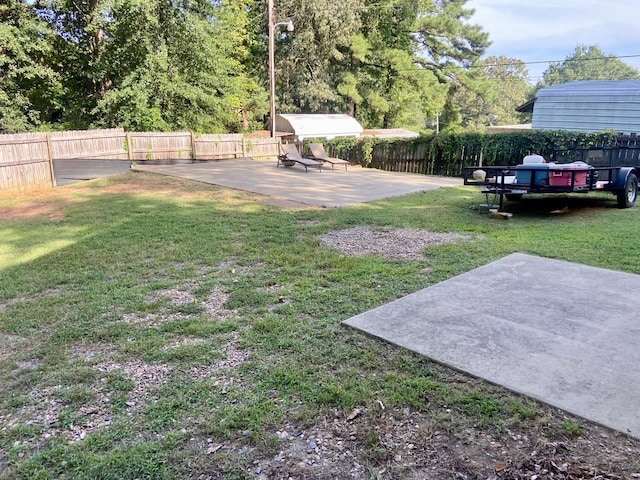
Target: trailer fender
(619,182)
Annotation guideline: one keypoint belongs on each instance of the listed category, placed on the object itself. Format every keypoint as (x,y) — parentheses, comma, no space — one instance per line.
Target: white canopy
(317,125)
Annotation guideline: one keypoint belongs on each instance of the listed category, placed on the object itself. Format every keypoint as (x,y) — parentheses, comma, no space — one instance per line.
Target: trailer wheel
(513,197)
(627,197)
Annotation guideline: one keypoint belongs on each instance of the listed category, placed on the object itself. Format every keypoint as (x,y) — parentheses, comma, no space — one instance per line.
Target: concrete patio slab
(329,188)
(565,334)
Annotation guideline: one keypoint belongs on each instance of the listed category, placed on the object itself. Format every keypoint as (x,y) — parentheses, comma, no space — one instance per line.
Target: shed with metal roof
(589,106)
(317,125)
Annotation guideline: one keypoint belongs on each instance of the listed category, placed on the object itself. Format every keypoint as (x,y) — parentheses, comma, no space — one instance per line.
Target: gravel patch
(92,353)
(44,409)
(145,376)
(377,443)
(183,342)
(46,405)
(234,357)
(214,305)
(10,344)
(177,297)
(399,243)
(152,319)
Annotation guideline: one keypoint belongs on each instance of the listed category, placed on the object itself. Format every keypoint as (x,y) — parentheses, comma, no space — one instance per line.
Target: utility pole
(272,73)
(272,67)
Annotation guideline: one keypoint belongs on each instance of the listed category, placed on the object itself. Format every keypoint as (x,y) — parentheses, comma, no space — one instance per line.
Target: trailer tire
(627,197)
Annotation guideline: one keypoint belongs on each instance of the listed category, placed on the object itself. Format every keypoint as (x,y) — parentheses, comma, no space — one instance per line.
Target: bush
(447,153)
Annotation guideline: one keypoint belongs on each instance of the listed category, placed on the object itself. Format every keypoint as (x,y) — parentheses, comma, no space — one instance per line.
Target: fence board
(26,176)
(24,161)
(160,145)
(217,147)
(106,143)
(262,148)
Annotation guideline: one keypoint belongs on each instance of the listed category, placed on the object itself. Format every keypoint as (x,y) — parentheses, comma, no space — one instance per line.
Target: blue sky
(540,30)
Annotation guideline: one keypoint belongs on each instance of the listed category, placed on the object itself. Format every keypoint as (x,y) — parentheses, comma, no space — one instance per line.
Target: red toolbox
(561,175)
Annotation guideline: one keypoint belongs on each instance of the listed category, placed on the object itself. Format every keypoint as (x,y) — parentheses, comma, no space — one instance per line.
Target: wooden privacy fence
(411,157)
(27,159)
(187,147)
(37,160)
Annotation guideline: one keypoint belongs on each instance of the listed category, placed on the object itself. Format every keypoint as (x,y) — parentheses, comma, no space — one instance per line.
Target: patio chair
(290,156)
(318,153)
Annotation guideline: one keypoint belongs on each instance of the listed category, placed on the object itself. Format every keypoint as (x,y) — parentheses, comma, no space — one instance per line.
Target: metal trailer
(500,181)
(611,169)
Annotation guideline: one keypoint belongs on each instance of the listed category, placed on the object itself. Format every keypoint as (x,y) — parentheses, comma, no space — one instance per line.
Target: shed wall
(587,110)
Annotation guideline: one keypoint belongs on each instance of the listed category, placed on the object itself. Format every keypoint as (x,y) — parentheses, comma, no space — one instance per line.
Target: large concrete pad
(329,188)
(562,333)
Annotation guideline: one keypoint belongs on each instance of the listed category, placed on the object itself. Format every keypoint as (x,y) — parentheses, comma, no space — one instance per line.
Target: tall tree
(388,63)
(79,48)
(309,62)
(445,37)
(587,63)
(157,64)
(493,90)
(29,88)
(387,85)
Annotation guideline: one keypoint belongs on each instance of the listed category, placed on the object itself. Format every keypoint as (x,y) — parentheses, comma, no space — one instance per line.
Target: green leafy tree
(157,64)
(388,85)
(388,63)
(491,93)
(29,89)
(310,61)
(587,63)
(445,37)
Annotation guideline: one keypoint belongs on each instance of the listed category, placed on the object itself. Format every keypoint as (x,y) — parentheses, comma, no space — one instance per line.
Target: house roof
(584,87)
(509,128)
(592,87)
(526,107)
(318,125)
(390,133)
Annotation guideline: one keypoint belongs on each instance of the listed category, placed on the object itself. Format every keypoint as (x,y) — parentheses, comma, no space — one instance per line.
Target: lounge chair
(290,156)
(318,153)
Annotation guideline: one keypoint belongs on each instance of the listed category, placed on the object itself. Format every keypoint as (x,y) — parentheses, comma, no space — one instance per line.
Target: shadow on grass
(554,205)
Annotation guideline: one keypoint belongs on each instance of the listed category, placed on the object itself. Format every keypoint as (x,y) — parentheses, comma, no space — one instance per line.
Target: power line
(515,63)
(610,57)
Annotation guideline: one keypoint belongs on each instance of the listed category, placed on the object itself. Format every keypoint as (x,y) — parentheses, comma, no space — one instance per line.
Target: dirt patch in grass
(214,306)
(146,377)
(9,344)
(152,319)
(35,209)
(177,297)
(183,342)
(234,357)
(396,243)
(377,443)
(49,411)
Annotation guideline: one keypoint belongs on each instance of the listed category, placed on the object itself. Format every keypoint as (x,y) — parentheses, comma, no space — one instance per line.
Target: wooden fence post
(49,154)
(193,147)
(244,148)
(129,147)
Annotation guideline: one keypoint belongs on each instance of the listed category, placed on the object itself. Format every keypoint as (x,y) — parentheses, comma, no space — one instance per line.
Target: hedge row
(446,153)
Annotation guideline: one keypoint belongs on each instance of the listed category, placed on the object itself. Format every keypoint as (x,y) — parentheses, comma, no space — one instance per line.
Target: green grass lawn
(141,316)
